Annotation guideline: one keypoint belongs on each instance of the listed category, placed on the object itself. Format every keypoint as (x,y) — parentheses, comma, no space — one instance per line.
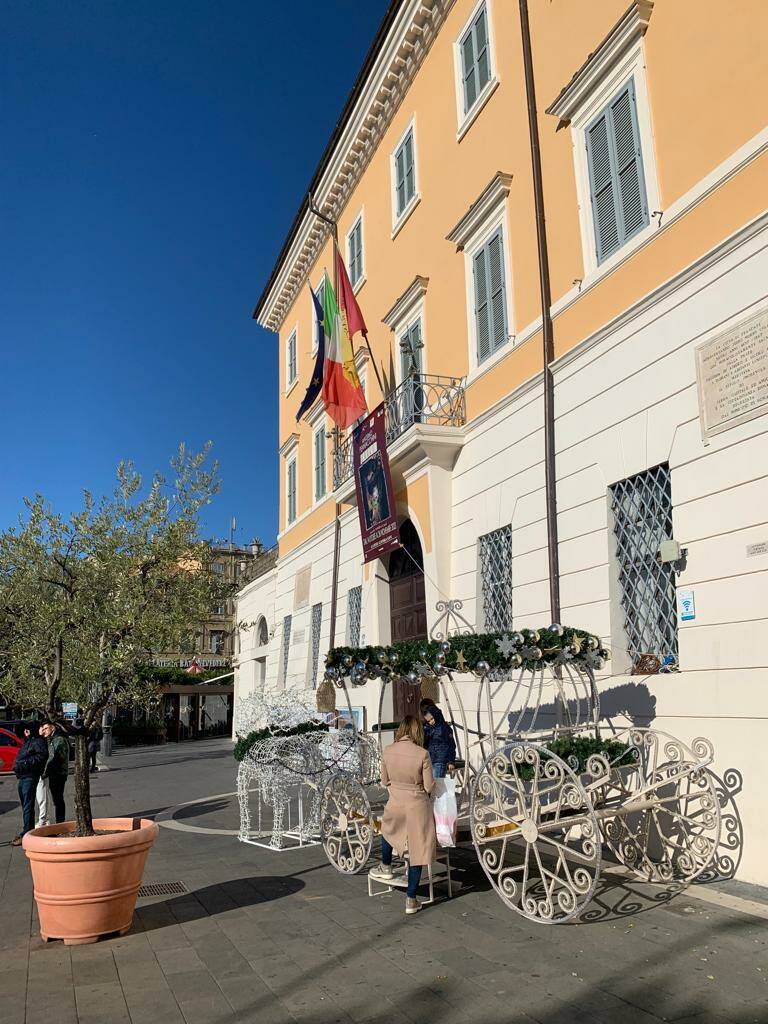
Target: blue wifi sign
(686,605)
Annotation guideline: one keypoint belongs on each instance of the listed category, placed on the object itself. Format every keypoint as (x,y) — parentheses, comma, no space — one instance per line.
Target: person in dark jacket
(439,740)
(28,767)
(94,746)
(57,767)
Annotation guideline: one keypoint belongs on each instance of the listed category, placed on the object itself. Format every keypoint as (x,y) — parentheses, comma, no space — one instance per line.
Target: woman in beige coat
(408,825)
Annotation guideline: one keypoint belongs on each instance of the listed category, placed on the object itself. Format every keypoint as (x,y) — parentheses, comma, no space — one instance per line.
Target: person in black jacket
(438,739)
(28,767)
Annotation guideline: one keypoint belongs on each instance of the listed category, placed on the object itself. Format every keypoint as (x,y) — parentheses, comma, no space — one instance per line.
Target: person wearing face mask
(438,739)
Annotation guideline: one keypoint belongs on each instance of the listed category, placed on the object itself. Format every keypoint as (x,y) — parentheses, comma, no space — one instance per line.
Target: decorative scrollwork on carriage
(540,787)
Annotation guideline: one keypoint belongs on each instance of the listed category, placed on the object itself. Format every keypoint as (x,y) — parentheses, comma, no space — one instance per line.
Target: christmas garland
(479,653)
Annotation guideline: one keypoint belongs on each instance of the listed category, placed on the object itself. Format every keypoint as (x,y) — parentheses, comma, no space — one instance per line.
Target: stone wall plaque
(732,375)
(301,587)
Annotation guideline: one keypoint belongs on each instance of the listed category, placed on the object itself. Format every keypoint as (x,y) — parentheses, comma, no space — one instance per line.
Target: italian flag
(342,394)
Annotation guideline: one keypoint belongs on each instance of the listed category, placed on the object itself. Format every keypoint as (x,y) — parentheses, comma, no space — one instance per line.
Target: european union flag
(316,380)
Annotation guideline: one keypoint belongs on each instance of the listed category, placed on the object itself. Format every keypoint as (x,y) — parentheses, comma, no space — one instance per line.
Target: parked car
(10,745)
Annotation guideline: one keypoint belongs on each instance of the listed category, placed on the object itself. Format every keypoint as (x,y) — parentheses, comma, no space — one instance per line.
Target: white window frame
(495,220)
(465,119)
(630,66)
(398,220)
(357,285)
(319,425)
(290,382)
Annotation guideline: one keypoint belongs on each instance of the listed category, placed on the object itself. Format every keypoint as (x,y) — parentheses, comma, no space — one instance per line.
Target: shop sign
(373,484)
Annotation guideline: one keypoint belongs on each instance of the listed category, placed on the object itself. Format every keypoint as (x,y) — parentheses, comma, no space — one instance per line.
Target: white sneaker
(383,873)
(412,906)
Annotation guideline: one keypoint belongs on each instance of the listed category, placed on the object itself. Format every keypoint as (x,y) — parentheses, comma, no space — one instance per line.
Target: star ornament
(506,646)
(461,661)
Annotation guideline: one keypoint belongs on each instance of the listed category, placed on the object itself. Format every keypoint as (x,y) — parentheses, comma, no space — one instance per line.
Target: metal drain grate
(162,889)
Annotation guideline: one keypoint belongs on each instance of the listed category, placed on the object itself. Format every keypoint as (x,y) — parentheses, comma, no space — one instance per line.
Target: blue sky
(153,157)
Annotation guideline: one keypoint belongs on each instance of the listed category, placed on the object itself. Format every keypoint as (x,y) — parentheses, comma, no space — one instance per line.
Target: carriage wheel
(346,823)
(668,825)
(535,833)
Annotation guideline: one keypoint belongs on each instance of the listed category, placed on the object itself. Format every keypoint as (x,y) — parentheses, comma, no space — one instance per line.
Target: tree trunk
(83,819)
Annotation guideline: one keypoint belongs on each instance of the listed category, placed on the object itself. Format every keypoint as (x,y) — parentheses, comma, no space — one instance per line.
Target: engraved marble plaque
(732,375)
(301,587)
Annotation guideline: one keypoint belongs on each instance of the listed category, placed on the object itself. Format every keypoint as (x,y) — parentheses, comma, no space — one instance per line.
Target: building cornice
(626,32)
(401,52)
(494,193)
(404,303)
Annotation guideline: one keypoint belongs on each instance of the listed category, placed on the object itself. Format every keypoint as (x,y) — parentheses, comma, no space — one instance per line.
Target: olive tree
(86,599)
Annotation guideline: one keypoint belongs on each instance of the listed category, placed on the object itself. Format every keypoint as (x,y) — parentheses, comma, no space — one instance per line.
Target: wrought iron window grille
(317,620)
(496,578)
(642,521)
(354,615)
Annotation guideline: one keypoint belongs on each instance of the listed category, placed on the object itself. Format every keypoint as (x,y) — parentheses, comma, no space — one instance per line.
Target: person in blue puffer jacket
(438,739)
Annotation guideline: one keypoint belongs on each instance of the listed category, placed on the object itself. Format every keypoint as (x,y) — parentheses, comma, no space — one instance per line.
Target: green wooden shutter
(632,203)
(468,70)
(400,180)
(617,184)
(480,29)
(320,463)
(479,265)
(475,59)
(497,291)
(410,182)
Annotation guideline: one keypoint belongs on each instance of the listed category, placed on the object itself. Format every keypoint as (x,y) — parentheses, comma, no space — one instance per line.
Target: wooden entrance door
(408,611)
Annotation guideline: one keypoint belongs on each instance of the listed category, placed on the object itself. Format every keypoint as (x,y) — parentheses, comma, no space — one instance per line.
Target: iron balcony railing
(420,398)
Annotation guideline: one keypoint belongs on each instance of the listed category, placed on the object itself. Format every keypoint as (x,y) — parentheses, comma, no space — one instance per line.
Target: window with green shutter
(291,491)
(320,472)
(291,367)
(490,297)
(355,252)
(475,59)
(405,174)
(616,181)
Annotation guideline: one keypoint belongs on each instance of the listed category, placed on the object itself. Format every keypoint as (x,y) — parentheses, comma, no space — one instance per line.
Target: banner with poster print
(373,483)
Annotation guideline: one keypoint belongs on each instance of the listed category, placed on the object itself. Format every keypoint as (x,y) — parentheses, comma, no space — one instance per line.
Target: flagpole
(336,442)
(335,232)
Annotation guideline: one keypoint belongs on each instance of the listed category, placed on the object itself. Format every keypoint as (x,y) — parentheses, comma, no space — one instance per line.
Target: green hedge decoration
(245,743)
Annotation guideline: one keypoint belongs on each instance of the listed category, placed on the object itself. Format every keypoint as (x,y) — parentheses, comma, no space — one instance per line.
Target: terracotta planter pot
(85,888)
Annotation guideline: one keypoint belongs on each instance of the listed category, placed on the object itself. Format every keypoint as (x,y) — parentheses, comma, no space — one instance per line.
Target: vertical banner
(373,483)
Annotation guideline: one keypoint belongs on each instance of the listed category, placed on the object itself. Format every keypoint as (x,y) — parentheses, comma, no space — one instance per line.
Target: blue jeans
(439,771)
(414,871)
(27,788)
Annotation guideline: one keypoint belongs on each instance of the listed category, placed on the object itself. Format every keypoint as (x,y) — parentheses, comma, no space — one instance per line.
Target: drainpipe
(546,319)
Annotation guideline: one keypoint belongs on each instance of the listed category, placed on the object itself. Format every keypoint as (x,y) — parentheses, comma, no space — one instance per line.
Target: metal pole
(550,477)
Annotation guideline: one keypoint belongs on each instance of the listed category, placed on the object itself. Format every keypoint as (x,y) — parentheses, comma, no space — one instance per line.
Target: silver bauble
(556,628)
(412,677)
(445,647)
(517,639)
(482,667)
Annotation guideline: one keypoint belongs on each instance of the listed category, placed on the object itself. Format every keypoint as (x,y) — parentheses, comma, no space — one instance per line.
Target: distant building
(194,708)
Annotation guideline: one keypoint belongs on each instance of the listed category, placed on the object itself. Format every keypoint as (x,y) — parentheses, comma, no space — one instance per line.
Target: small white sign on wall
(686,605)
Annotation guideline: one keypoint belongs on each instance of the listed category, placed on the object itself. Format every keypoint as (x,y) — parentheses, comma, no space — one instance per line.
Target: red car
(10,745)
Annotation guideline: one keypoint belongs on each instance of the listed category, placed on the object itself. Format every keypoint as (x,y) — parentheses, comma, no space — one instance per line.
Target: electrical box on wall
(670,551)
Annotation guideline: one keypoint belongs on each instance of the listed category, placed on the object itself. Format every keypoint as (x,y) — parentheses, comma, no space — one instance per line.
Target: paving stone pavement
(280,938)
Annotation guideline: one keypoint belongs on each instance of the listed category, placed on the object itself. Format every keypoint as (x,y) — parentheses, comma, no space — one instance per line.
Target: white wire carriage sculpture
(539,815)
(287,769)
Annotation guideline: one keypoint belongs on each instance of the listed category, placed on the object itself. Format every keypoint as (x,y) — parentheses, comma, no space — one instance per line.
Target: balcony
(423,399)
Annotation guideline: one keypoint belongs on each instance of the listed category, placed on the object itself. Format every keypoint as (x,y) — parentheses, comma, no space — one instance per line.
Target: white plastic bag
(445,811)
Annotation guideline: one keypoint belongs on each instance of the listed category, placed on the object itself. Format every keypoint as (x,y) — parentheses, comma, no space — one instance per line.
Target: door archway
(407,609)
